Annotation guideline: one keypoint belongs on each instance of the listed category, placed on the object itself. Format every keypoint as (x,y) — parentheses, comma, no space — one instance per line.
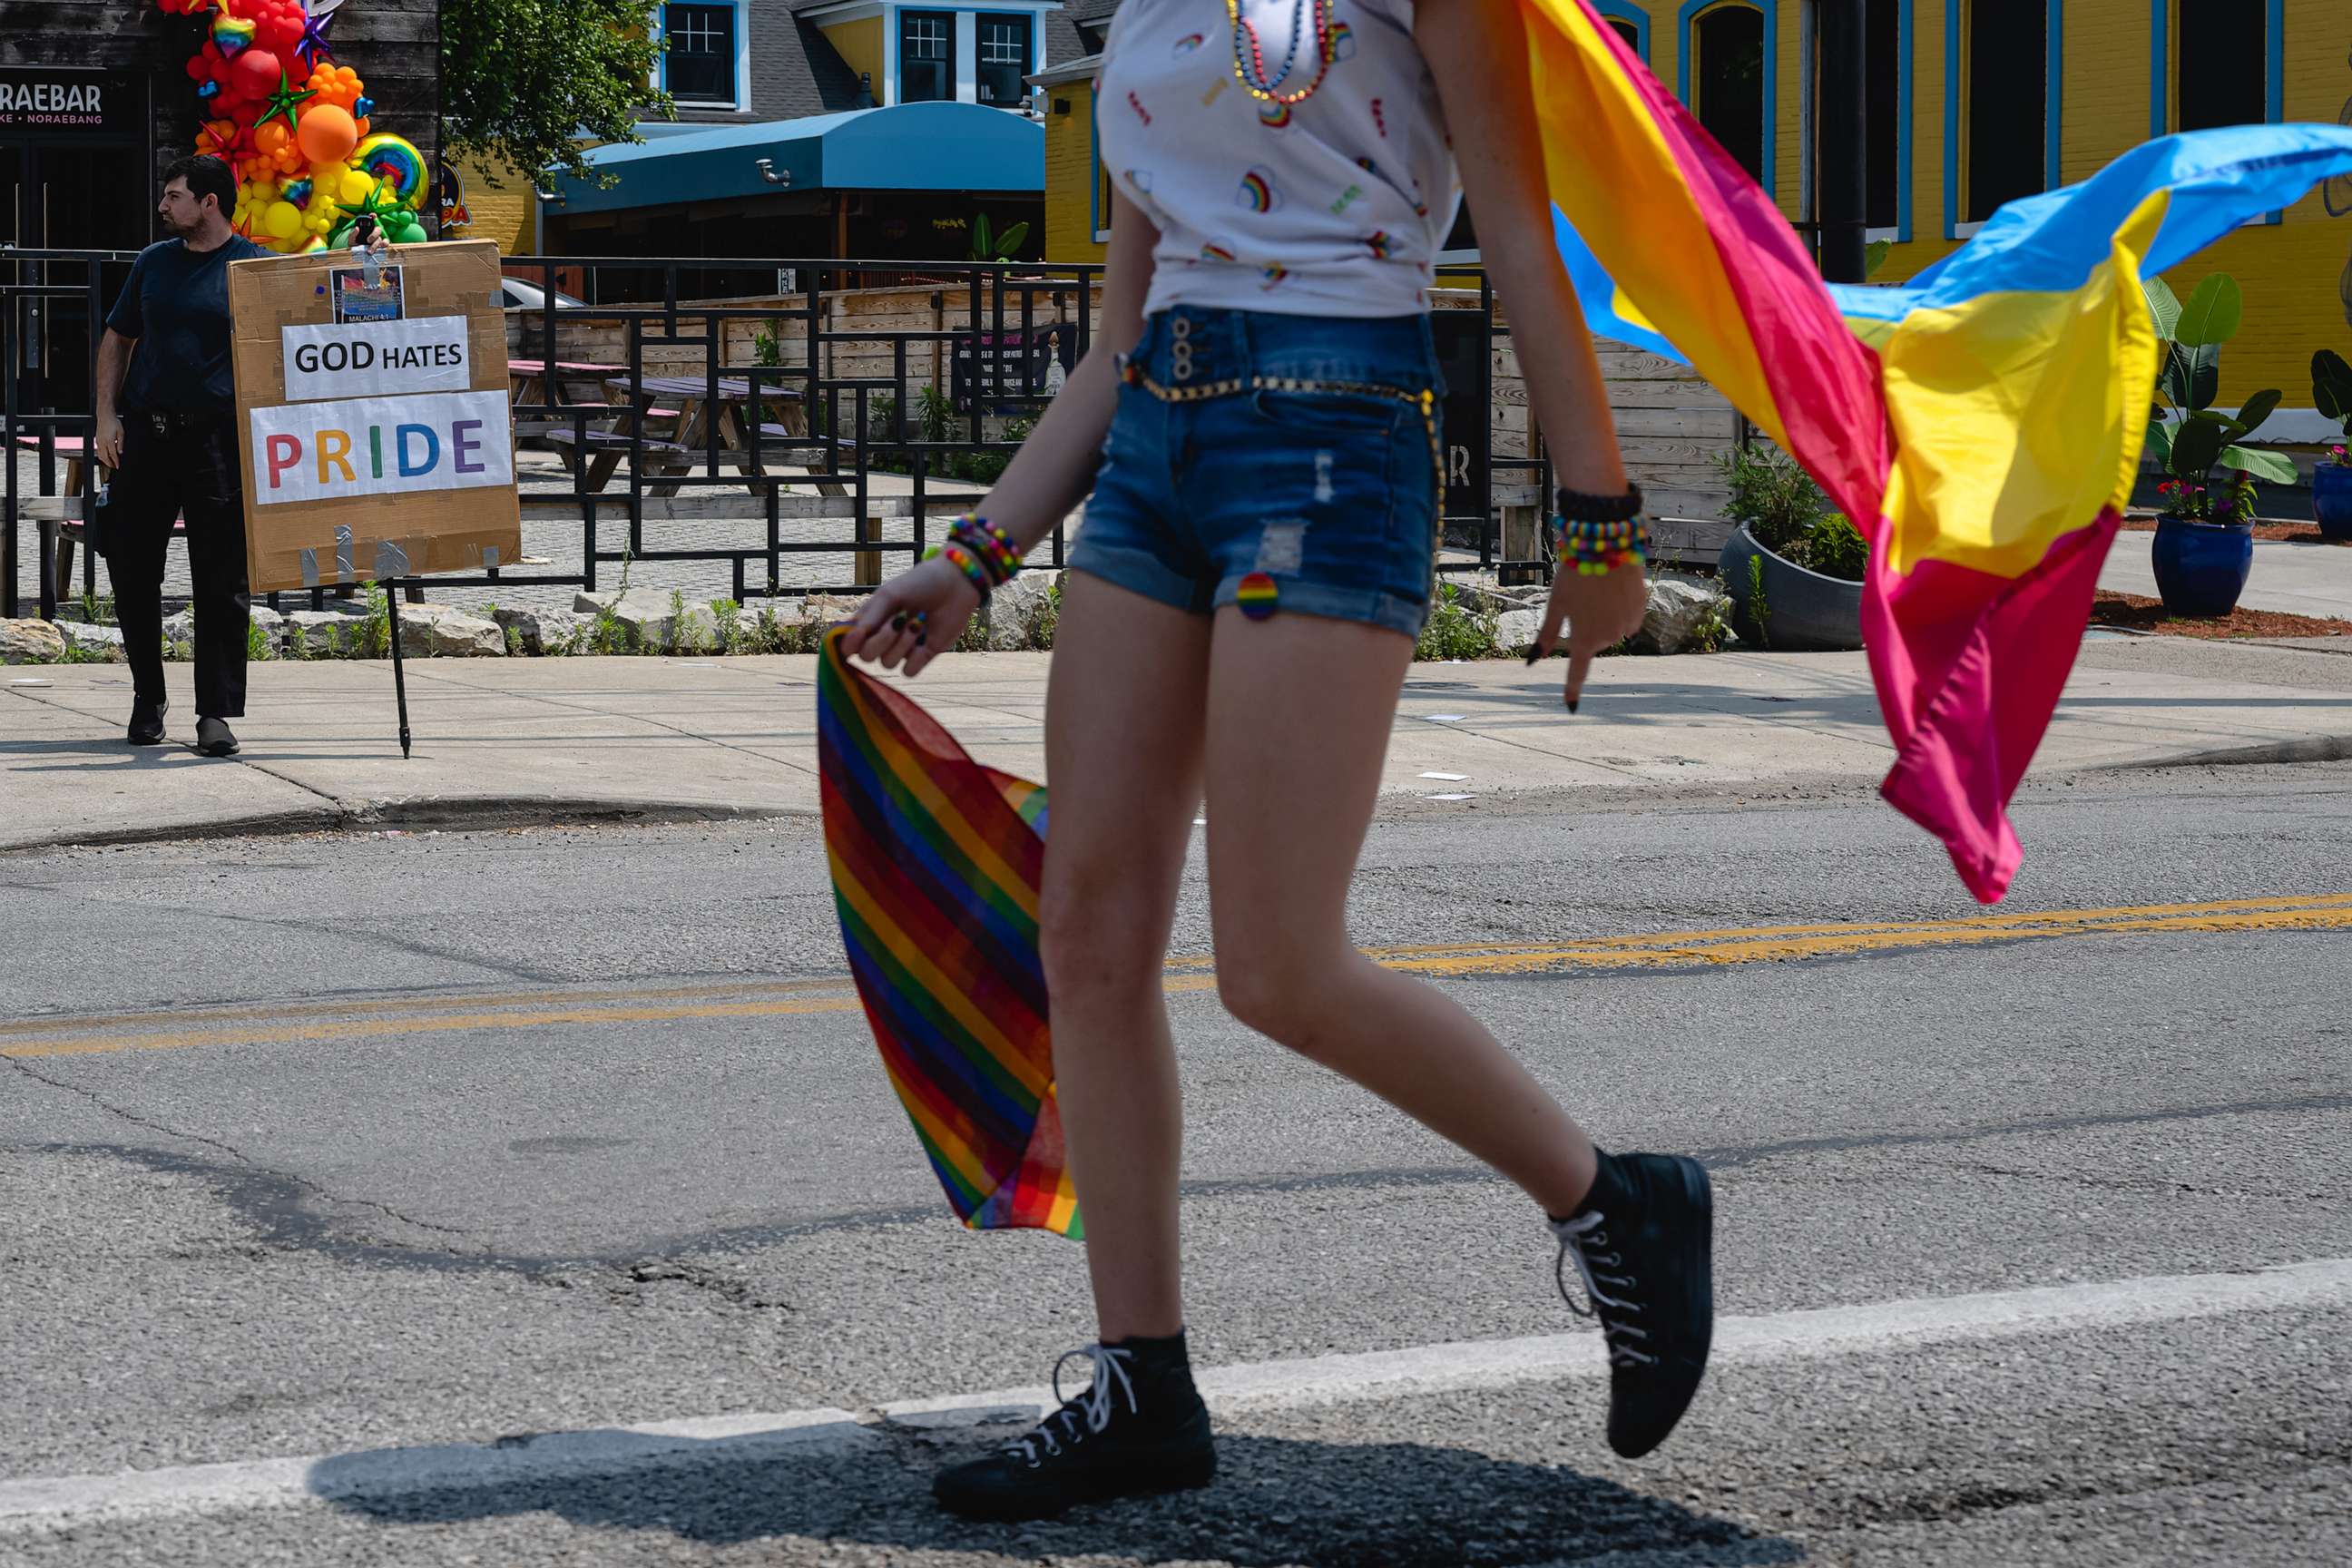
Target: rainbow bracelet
(1599,548)
(991,544)
(965,562)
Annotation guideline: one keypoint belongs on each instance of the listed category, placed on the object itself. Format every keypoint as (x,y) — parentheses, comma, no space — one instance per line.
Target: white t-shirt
(1335,206)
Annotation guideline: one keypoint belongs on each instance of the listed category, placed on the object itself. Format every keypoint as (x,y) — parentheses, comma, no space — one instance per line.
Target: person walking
(1242,600)
(166,409)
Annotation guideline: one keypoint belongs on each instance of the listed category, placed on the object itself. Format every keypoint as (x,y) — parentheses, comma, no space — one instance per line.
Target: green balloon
(410,233)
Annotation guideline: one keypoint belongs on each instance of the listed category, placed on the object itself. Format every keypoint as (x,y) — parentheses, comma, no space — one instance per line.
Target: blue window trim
(1101,220)
(1626,11)
(742,9)
(2161,18)
(2054,107)
(1684,21)
(1906,49)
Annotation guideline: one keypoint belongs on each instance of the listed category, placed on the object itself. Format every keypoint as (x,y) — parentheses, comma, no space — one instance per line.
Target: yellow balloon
(281,219)
(358,187)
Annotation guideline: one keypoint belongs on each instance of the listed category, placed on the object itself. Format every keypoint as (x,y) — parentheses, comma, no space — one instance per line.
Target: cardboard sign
(376,358)
(353,485)
(380,446)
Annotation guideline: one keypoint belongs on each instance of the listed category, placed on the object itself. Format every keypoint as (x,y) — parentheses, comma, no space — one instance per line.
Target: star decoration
(375,205)
(285,100)
(314,44)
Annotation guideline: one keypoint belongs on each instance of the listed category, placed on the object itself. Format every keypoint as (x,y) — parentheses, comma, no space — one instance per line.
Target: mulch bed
(2131,612)
(2292,532)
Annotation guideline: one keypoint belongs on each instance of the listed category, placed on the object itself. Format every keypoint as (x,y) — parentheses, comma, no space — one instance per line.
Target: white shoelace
(1581,1241)
(1089,1411)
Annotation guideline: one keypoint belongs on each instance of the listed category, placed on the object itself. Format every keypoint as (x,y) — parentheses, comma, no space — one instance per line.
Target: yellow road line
(385,1017)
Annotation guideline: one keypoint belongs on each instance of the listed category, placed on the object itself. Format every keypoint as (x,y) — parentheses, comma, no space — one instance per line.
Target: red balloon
(254,74)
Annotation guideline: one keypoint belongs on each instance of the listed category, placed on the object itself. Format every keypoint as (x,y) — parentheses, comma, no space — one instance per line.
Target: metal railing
(979,360)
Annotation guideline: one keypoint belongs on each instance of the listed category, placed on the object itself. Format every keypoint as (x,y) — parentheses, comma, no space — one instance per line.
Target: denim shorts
(1285,464)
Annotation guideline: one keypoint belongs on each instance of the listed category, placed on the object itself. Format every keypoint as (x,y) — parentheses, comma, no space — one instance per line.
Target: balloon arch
(294,125)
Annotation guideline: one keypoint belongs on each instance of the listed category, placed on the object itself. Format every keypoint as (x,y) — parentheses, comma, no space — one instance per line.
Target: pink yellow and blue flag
(1981,424)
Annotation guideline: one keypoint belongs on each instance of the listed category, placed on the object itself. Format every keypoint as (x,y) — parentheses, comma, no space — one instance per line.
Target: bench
(605,448)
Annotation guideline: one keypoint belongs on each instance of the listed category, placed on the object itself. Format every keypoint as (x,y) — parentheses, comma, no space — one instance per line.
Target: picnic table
(73,449)
(528,380)
(687,403)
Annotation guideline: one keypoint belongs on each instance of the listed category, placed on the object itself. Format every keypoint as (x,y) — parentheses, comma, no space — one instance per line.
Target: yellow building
(1971,103)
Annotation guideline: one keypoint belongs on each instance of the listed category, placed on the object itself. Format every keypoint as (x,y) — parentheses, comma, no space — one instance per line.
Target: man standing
(168,432)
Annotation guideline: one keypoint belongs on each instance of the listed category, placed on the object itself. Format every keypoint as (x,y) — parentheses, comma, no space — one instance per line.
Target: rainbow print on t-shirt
(1379,244)
(1215,253)
(1274,272)
(1257,191)
(1273,115)
(1187,43)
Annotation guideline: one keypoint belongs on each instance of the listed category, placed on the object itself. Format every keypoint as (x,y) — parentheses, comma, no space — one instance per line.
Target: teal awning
(906,147)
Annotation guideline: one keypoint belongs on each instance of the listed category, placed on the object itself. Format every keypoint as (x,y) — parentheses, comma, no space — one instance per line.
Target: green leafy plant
(881,417)
(536,85)
(1712,628)
(1457,630)
(258,647)
(298,642)
(1777,501)
(2186,437)
(1835,547)
(989,245)
(1759,609)
(2331,394)
(727,616)
(375,633)
(935,412)
(1048,621)
(97,608)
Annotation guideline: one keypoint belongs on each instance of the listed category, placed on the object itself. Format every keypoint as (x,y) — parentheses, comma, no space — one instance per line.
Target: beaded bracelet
(991,544)
(1596,549)
(1600,508)
(965,562)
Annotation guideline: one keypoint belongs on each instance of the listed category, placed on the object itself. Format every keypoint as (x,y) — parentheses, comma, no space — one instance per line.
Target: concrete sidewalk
(557,739)
(2290,576)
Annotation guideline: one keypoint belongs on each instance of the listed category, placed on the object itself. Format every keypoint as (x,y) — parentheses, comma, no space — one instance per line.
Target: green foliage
(298,643)
(1048,621)
(881,417)
(728,617)
(98,609)
(536,84)
(2331,389)
(1835,547)
(1713,627)
(1455,631)
(375,634)
(1759,609)
(2196,440)
(766,348)
(258,647)
(935,413)
(989,245)
(1874,257)
(1776,499)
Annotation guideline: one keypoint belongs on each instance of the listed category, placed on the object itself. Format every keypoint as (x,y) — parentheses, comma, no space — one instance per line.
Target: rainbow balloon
(397,164)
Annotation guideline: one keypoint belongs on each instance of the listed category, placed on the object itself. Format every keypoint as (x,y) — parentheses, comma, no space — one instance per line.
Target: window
(1632,24)
(1003,45)
(926,57)
(2222,48)
(1883,76)
(1726,82)
(699,66)
(1629,32)
(2007,93)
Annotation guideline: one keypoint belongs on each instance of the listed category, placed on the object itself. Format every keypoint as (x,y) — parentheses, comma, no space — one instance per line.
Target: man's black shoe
(1131,1434)
(214,739)
(1644,1248)
(146,723)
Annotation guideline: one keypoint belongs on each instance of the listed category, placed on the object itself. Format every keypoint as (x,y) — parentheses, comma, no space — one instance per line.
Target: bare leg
(1123,736)
(1299,714)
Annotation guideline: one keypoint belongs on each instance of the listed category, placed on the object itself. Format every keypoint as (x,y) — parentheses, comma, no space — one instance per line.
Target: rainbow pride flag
(936,862)
(1981,424)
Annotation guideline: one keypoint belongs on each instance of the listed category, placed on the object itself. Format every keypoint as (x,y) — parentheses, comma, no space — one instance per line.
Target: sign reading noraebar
(380,446)
(375,449)
(376,358)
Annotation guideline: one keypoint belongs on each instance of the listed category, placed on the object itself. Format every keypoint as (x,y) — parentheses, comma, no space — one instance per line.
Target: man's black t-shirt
(176,305)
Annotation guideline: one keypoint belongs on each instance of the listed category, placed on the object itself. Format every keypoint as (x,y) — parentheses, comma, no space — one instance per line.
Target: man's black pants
(175,464)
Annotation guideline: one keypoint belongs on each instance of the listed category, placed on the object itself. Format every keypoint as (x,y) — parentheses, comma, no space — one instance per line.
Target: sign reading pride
(383,358)
(379,446)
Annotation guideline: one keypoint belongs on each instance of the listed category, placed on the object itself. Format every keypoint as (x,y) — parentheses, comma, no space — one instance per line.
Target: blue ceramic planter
(2331,499)
(2201,567)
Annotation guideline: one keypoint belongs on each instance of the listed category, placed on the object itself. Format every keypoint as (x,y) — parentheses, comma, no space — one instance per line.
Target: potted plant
(2204,536)
(2331,482)
(1794,568)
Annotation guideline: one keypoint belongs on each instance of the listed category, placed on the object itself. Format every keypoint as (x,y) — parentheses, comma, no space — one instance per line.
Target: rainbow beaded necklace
(1251,70)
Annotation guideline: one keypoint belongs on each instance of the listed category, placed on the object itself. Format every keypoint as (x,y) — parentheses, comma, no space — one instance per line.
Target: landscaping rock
(325,633)
(271,623)
(546,631)
(91,640)
(1013,611)
(647,612)
(443,631)
(180,635)
(1676,611)
(30,642)
(1515,630)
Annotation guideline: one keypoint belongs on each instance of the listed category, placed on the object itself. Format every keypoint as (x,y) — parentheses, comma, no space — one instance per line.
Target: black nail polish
(1533,655)
(1572,705)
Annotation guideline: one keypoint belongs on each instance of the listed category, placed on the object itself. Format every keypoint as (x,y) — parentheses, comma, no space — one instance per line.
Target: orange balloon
(326,134)
(267,139)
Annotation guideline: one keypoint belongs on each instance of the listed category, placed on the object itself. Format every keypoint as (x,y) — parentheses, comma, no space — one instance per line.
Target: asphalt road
(322,1148)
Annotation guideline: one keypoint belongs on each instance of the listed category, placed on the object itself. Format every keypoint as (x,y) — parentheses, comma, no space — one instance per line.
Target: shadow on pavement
(1277,1501)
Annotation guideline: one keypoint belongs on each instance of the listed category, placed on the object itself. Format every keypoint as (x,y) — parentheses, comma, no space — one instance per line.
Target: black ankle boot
(1644,1245)
(1140,1427)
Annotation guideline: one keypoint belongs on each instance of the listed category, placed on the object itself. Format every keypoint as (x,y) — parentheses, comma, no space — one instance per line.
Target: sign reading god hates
(373,449)
(376,358)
